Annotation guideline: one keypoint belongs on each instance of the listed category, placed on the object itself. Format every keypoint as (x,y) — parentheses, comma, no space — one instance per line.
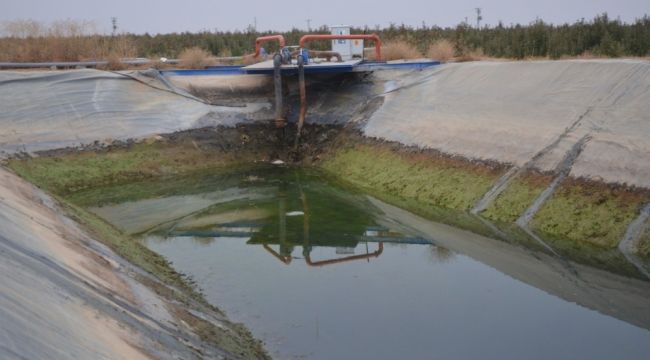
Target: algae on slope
(82,170)
(589,212)
(436,181)
(644,242)
(517,197)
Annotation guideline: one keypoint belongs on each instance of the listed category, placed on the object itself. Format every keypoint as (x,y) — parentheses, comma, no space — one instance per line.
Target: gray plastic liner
(514,112)
(54,109)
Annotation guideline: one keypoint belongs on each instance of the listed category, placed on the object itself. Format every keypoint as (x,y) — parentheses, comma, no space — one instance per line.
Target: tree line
(600,36)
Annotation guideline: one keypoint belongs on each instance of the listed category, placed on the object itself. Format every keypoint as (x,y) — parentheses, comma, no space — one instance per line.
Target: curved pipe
(373,37)
(262,39)
(285,259)
(345,259)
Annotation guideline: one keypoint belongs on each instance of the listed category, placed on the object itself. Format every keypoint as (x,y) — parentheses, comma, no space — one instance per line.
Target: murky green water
(318,272)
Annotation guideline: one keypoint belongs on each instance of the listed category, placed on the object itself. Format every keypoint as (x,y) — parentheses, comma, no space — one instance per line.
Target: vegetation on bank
(644,243)
(437,181)
(590,212)
(517,197)
(76,171)
(580,215)
(582,220)
(26,40)
(580,211)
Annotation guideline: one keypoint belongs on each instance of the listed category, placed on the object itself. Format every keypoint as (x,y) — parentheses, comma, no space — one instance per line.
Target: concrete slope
(512,111)
(63,295)
(48,110)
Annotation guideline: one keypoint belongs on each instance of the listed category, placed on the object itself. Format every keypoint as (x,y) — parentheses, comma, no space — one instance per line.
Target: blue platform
(266,68)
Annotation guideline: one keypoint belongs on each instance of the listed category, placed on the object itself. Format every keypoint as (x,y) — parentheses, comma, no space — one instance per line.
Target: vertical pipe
(280,122)
(303,97)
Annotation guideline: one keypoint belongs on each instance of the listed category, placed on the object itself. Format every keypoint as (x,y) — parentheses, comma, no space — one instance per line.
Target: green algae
(438,182)
(644,241)
(589,213)
(75,171)
(517,197)
(437,188)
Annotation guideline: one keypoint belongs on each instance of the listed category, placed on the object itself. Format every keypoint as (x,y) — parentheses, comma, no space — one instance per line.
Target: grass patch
(433,186)
(589,212)
(431,180)
(78,171)
(517,197)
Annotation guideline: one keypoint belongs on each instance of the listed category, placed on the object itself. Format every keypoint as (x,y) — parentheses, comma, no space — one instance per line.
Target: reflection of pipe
(280,122)
(303,98)
(373,37)
(262,39)
(318,53)
(285,259)
(345,259)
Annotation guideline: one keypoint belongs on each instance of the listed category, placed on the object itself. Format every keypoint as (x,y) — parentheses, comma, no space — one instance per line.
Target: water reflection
(288,215)
(254,239)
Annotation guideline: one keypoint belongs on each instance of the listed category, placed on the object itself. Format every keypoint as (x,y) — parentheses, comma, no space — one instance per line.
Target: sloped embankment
(573,135)
(67,295)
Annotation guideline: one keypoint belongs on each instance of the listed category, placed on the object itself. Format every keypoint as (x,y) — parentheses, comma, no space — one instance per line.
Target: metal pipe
(303,98)
(280,122)
(285,259)
(319,53)
(374,254)
(262,39)
(373,37)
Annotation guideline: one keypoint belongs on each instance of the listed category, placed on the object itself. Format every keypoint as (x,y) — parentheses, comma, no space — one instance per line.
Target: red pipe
(375,254)
(262,39)
(373,37)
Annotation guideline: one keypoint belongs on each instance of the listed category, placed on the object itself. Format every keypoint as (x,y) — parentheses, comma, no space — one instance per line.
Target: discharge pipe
(373,37)
(262,39)
(303,97)
(280,122)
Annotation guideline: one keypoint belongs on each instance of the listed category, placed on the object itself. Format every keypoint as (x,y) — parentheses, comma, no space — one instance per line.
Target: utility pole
(255,23)
(114,23)
(309,25)
(478,18)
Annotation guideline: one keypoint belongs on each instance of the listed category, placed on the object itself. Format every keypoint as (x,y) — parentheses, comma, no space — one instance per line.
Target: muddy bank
(68,170)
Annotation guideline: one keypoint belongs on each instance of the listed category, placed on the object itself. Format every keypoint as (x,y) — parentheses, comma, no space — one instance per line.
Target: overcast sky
(164,16)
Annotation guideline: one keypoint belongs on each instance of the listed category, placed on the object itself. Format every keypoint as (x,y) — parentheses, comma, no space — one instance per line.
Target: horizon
(168,17)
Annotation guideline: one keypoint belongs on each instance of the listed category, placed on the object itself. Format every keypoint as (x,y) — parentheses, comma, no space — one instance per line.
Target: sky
(164,16)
